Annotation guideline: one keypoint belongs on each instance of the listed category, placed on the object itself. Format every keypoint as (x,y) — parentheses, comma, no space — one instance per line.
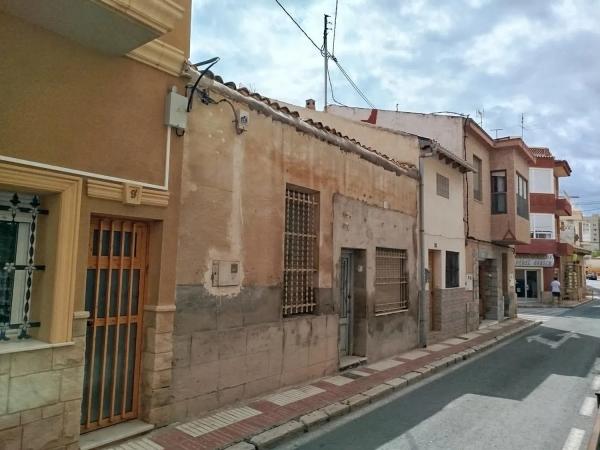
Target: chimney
(310,103)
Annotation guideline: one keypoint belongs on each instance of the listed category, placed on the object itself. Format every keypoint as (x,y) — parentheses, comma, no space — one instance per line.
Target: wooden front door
(115,288)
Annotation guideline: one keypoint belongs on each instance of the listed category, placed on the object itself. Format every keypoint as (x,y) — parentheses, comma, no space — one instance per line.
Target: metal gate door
(114,297)
(346,303)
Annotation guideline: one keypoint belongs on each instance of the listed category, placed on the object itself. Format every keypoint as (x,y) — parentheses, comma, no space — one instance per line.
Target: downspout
(422,273)
(422,280)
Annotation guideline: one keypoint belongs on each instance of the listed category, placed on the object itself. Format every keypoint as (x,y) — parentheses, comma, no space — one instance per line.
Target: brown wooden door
(114,297)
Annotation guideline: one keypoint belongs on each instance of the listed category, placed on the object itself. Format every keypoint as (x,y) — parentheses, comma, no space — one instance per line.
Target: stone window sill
(27,345)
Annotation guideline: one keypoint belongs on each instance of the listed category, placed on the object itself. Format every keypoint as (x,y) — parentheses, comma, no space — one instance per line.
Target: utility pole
(326,58)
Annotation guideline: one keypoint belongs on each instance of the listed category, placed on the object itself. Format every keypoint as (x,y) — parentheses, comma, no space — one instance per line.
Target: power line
(334,27)
(335,100)
(298,25)
(333,58)
(352,83)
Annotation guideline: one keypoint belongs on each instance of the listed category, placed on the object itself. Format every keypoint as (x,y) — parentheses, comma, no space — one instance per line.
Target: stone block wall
(222,354)
(455,312)
(40,395)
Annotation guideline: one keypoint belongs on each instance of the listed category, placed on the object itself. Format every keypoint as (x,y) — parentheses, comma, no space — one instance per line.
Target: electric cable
(329,55)
(334,27)
(211,63)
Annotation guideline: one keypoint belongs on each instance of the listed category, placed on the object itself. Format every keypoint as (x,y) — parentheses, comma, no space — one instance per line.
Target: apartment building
(492,219)
(89,186)
(546,257)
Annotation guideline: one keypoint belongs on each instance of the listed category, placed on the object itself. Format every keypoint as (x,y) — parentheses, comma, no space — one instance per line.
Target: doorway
(114,296)
(435,315)
(527,284)
(346,302)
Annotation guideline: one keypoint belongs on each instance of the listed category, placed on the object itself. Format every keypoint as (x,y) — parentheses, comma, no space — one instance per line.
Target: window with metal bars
(442,186)
(391,280)
(300,251)
(18,227)
(452,269)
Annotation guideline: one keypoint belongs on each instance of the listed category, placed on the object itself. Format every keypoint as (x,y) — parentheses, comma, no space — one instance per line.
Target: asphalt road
(534,392)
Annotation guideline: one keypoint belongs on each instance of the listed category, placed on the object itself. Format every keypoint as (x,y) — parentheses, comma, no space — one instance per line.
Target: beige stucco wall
(479,211)
(397,145)
(69,106)
(443,217)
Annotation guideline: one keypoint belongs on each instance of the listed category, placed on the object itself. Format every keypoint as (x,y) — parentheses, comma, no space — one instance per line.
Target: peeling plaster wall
(358,225)
(232,342)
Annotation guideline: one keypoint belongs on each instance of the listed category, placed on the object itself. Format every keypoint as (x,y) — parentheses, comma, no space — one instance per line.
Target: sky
(539,58)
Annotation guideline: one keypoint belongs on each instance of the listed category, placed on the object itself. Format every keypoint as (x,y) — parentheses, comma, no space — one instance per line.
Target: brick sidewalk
(262,422)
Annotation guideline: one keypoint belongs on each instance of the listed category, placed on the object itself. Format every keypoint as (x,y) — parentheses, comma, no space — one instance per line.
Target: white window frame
(541,180)
(538,231)
(20,276)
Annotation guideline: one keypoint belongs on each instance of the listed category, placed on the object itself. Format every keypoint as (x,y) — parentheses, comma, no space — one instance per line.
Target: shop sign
(535,261)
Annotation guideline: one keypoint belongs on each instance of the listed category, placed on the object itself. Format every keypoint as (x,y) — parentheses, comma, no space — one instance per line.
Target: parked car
(592,276)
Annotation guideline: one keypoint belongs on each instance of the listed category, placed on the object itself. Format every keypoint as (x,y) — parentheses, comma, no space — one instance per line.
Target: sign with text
(535,261)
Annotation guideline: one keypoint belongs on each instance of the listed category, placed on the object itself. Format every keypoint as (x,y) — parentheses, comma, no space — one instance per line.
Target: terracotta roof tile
(541,152)
(273,104)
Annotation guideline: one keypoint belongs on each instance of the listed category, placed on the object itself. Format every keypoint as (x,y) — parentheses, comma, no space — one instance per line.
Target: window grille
(443,186)
(391,280)
(477,180)
(452,269)
(18,227)
(300,251)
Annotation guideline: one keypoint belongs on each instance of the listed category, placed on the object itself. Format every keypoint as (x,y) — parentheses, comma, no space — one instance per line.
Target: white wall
(447,130)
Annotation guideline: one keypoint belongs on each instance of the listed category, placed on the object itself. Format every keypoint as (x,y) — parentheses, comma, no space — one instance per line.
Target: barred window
(452,269)
(300,251)
(18,225)
(391,280)
(443,186)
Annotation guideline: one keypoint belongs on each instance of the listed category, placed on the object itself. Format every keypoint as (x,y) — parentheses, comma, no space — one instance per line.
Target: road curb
(314,419)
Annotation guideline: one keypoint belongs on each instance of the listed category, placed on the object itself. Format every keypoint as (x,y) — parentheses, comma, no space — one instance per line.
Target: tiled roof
(318,125)
(541,152)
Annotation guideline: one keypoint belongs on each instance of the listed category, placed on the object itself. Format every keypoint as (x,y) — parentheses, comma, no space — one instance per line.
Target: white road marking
(596,383)
(553,344)
(294,395)
(338,380)
(588,406)
(384,365)
(211,423)
(574,439)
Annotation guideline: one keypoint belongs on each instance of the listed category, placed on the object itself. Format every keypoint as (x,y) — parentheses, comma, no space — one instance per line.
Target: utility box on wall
(225,273)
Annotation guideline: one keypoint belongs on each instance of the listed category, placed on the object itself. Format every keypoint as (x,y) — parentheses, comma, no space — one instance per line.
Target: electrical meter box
(226,273)
(176,110)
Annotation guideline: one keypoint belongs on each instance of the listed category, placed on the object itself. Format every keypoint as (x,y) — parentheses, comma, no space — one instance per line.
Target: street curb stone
(378,391)
(313,419)
(269,438)
(356,401)
(397,383)
(241,446)
(335,410)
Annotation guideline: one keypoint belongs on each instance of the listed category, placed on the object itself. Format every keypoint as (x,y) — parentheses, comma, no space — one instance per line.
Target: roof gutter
(301,125)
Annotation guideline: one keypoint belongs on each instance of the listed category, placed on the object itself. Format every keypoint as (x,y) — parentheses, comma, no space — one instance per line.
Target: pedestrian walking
(555,286)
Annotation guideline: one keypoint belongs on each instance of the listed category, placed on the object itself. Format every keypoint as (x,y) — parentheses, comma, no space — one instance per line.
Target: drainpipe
(422,278)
